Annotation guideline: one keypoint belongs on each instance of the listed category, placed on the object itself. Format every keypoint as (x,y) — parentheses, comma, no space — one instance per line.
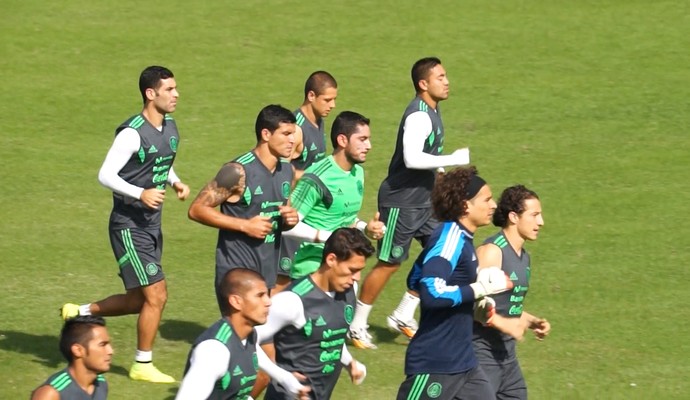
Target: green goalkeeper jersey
(328,198)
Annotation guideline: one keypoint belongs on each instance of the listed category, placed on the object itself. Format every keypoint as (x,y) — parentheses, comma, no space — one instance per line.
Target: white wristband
(361,225)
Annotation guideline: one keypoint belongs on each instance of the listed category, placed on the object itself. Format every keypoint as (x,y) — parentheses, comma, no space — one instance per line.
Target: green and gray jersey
(327,198)
(313,138)
(264,193)
(411,188)
(69,389)
(148,168)
(316,348)
(508,304)
(238,380)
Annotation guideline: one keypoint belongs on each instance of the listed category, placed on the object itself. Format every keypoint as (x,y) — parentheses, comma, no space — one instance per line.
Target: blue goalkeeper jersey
(441,275)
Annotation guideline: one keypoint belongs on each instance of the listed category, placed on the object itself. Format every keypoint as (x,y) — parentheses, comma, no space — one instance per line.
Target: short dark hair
(151,77)
(237,282)
(318,82)
(346,123)
(270,117)
(345,243)
(512,200)
(421,70)
(78,330)
(449,196)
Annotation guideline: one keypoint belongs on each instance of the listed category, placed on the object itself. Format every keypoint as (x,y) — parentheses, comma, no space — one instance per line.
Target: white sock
(143,356)
(407,307)
(85,309)
(361,315)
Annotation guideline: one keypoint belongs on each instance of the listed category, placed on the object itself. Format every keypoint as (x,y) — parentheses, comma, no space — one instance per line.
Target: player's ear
(513,217)
(235,301)
(265,134)
(78,350)
(423,85)
(341,139)
(150,94)
(331,259)
(311,96)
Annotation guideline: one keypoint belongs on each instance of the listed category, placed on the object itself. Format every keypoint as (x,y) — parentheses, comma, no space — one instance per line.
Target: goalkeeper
(440,360)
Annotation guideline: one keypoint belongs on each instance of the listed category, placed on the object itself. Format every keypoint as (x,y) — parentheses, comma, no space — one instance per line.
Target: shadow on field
(384,335)
(183,331)
(43,347)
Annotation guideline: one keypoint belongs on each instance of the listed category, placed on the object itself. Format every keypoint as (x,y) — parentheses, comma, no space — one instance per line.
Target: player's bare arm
(299,144)
(489,255)
(45,392)
(227,185)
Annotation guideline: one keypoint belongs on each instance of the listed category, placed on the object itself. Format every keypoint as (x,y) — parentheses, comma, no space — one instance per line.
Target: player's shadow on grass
(44,349)
(384,335)
(183,331)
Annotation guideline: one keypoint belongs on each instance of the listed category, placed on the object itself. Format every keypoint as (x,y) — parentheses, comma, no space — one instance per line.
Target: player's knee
(157,295)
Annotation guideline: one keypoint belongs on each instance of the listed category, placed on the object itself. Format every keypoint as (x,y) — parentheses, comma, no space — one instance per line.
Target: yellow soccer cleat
(149,373)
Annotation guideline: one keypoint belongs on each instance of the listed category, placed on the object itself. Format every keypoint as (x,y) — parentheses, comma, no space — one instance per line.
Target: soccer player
(308,322)
(440,361)
(85,344)
(403,198)
(320,92)
(252,192)
(329,194)
(519,215)
(223,362)
(137,169)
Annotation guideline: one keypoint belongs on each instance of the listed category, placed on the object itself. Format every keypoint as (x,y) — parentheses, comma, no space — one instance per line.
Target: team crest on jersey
(285,264)
(152,269)
(286,189)
(173,144)
(434,390)
(397,251)
(360,188)
(349,314)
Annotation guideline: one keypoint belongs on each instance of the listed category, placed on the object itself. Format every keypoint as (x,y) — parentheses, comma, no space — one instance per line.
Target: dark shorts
(470,385)
(403,225)
(506,379)
(138,253)
(288,248)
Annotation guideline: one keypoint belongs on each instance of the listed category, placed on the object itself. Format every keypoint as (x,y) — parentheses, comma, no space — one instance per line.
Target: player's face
(531,220)
(346,272)
(99,352)
(481,208)
(359,145)
(255,303)
(438,85)
(324,103)
(282,140)
(165,96)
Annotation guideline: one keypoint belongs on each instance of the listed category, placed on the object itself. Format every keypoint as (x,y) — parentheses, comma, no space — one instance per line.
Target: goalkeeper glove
(490,280)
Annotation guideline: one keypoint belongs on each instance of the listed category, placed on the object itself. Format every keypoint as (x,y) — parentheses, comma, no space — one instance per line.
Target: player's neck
(309,114)
(267,158)
(152,115)
(467,224)
(515,240)
(320,279)
(240,325)
(341,159)
(83,376)
(428,99)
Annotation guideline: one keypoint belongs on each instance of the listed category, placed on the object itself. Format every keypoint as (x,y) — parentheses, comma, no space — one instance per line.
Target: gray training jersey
(238,380)
(411,188)
(315,349)
(264,193)
(69,389)
(509,304)
(147,168)
(313,139)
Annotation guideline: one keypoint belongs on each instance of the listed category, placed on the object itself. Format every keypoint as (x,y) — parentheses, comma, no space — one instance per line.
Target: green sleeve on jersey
(307,193)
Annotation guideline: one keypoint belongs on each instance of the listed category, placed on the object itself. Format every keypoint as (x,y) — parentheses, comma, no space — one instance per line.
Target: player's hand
(258,226)
(490,280)
(462,156)
(375,229)
(541,328)
(357,371)
(289,215)
(300,391)
(485,310)
(182,190)
(152,198)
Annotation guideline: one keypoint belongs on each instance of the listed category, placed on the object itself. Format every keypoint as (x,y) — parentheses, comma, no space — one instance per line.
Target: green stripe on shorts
(418,386)
(134,257)
(387,241)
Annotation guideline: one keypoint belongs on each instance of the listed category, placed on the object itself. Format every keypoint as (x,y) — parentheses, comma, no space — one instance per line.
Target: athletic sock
(85,309)
(143,356)
(407,307)
(361,315)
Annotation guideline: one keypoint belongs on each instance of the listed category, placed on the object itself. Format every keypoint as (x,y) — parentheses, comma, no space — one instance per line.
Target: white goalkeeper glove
(490,280)
(484,310)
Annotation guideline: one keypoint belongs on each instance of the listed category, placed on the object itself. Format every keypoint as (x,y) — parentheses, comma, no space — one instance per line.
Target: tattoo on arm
(230,180)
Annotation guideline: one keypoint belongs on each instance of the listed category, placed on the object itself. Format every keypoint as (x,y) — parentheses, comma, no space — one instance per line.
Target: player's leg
(474,386)
(288,248)
(512,385)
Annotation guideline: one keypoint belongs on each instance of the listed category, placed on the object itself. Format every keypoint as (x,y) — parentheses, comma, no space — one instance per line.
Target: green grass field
(585,102)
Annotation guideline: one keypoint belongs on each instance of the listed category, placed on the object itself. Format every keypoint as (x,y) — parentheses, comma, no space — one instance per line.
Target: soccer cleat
(149,373)
(69,310)
(361,339)
(407,328)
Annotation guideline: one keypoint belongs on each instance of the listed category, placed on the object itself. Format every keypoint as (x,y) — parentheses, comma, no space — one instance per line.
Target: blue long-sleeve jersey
(441,275)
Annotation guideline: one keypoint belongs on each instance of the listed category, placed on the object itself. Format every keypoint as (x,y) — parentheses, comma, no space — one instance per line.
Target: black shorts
(403,225)
(470,385)
(506,379)
(288,248)
(138,253)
